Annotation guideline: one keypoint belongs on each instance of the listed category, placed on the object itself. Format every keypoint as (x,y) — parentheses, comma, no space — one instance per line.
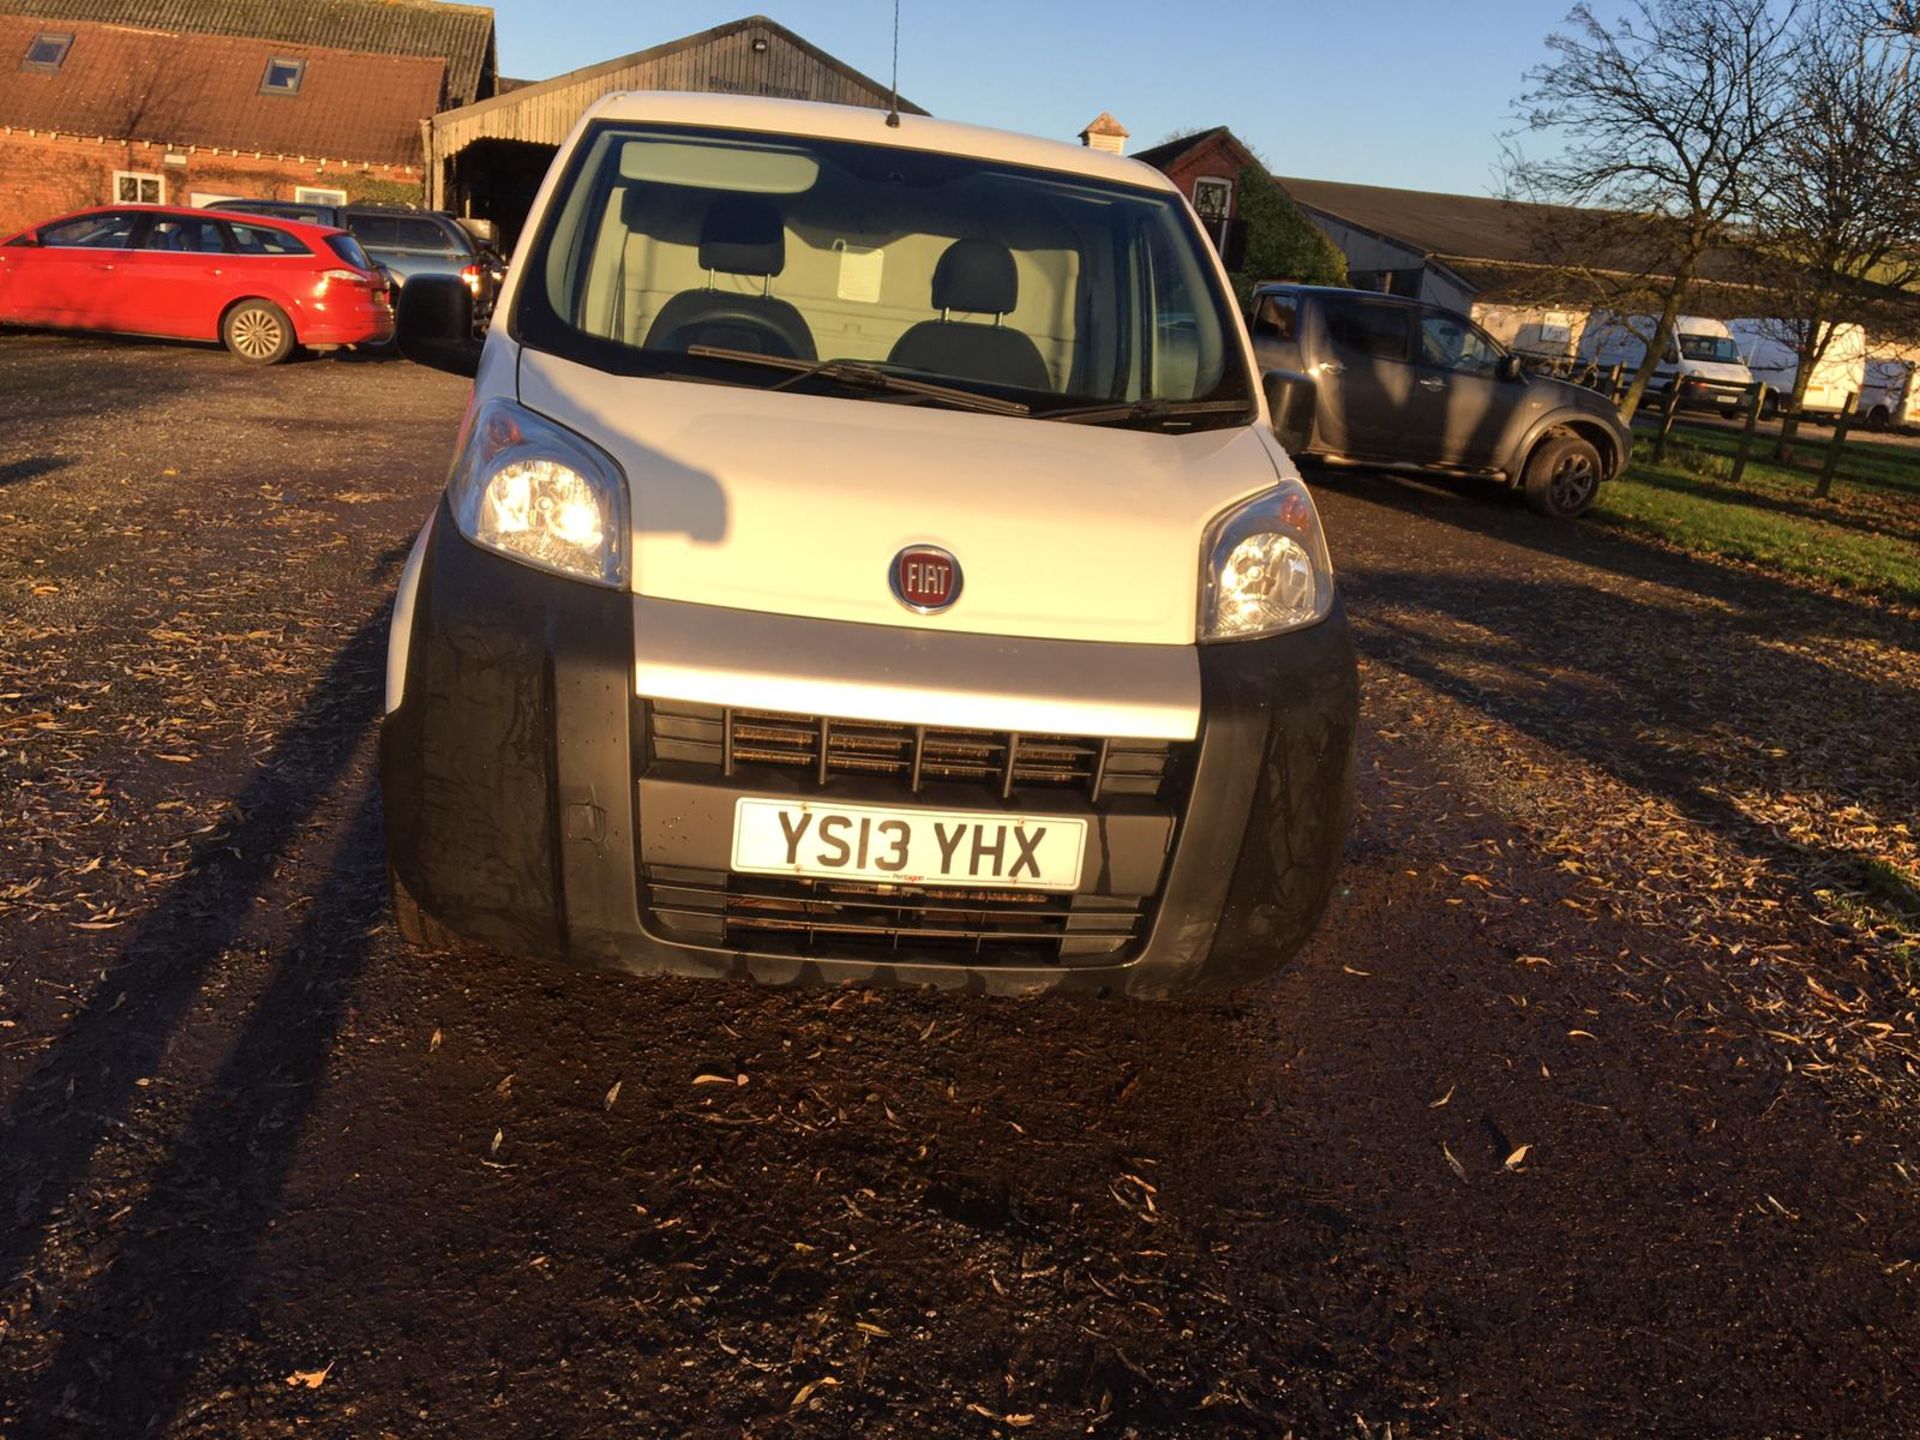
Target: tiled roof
(205,90)
(1169,152)
(462,35)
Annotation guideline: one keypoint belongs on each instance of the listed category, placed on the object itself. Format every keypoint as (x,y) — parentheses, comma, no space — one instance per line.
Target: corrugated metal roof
(205,90)
(754,56)
(462,35)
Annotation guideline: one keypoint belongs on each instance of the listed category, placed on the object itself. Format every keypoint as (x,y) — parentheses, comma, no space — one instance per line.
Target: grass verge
(1865,538)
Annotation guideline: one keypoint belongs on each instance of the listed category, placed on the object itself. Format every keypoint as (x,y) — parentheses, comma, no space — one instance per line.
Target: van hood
(797,504)
(1722,372)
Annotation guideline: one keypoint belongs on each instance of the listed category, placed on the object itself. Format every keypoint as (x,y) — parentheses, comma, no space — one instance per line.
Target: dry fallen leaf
(1518,1157)
(805,1393)
(1016,1421)
(312,1379)
(1453,1160)
(713,1080)
(1436,1104)
(434,1043)
(613,1094)
(868,1328)
(498,1136)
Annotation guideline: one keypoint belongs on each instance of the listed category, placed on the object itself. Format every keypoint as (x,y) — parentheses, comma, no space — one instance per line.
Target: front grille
(911,755)
(777,916)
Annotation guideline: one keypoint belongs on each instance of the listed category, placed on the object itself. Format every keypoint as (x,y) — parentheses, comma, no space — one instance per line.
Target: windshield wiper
(1144,410)
(862,377)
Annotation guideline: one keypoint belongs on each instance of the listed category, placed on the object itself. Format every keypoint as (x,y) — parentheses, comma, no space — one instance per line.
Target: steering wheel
(730,327)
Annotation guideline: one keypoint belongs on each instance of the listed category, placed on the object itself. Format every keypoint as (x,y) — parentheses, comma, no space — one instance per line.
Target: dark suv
(404,241)
(1389,381)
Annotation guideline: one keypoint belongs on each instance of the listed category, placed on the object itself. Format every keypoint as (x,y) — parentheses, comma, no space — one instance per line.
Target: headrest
(976,276)
(634,211)
(743,236)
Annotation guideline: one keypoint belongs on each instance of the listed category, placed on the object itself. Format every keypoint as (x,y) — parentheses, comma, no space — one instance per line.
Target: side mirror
(1291,398)
(29,238)
(435,324)
(1511,367)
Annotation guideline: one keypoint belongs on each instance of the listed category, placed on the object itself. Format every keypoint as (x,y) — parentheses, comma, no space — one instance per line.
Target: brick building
(194,101)
(1206,167)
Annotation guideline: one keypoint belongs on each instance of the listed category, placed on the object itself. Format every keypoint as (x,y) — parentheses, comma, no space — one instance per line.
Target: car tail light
(339,276)
(471,274)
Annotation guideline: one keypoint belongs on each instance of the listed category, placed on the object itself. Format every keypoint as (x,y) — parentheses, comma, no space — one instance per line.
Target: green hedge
(1282,244)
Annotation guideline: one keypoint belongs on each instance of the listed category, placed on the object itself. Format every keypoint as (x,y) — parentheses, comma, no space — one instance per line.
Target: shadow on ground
(242,1133)
(1705,685)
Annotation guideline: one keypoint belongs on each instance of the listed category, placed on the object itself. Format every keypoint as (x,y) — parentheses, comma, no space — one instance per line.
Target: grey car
(1383,380)
(405,242)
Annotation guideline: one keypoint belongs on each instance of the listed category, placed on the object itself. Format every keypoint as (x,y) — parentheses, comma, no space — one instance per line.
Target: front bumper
(527,810)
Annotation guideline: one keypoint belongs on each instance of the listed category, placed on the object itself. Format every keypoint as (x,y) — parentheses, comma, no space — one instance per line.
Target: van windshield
(664,245)
(1710,347)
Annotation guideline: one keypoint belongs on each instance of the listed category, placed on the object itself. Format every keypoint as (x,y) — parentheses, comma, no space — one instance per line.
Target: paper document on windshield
(860,271)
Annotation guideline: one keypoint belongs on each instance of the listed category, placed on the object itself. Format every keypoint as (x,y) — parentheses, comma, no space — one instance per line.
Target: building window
(308,195)
(283,76)
(1213,199)
(135,187)
(47,52)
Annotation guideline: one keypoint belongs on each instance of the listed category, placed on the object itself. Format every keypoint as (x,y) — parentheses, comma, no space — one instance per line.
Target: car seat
(740,236)
(978,278)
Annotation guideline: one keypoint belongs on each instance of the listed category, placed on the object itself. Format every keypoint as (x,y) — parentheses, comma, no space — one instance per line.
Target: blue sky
(1388,92)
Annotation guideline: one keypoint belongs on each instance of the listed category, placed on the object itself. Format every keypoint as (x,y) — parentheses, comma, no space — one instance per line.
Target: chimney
(1105,133)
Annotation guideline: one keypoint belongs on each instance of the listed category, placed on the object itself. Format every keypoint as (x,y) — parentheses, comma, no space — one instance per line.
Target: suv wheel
(1562,476)
(259,332)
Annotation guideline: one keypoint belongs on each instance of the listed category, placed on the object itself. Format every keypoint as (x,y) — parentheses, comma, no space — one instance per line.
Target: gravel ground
(1588,1113)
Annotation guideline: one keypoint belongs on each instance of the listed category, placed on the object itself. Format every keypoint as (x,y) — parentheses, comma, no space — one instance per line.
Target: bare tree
(1662,115)
(1837,220)
(1901,17)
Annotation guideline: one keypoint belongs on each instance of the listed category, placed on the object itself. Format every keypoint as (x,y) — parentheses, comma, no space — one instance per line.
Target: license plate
(907,847)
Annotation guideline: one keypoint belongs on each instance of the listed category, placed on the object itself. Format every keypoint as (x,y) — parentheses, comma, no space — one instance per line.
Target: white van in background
(1538,332)
(1702,357)
(1891,399)
(1773,354)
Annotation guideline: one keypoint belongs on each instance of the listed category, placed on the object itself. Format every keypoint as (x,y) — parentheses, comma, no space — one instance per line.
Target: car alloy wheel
(1573,482)
(1563,476)
(257,333)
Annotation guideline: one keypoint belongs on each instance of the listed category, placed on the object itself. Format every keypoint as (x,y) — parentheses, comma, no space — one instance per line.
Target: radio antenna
(893,111)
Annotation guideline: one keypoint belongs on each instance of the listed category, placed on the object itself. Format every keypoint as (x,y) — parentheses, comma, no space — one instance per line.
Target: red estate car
(262,287)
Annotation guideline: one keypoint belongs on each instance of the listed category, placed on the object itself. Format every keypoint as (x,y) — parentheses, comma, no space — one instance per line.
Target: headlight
(539,493)
(1264,567)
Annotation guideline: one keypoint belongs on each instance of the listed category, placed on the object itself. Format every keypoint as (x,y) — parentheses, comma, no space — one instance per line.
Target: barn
(487,159)
(195,101)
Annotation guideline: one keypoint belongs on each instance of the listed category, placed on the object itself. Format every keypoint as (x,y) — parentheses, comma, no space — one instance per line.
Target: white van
(867,557)
(1891,399)
(1541,333)
(1702,356)
(1773,354)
